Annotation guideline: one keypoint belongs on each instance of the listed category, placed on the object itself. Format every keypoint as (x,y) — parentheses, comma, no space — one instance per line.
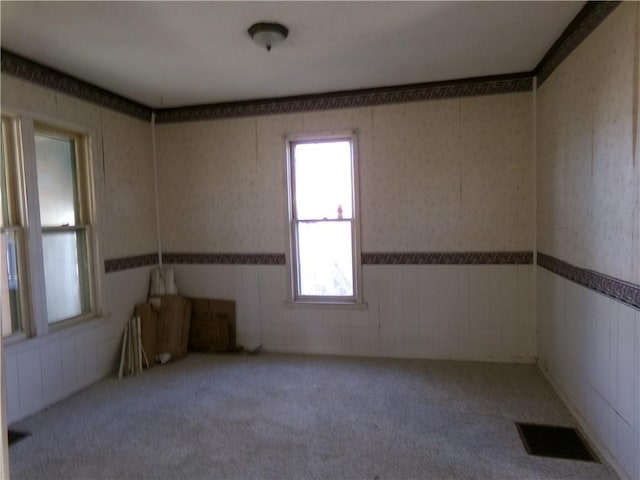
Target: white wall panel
(413,311)
(589,346)
(52,384)
(12,384)
(44,370)
(29,380)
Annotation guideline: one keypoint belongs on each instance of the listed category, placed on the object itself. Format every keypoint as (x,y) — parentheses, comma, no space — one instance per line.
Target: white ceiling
(166,54)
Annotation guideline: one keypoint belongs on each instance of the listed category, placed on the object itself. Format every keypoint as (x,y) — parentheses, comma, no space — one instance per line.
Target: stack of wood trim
(133,354)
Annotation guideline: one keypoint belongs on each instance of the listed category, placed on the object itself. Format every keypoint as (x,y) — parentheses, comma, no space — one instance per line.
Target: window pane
(56,180)
(10,291)
(66,274)
(10,285)
(4,198)
(324,255)
(323,180)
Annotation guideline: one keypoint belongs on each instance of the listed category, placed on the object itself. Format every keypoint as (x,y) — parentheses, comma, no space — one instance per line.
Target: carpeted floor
(300,417)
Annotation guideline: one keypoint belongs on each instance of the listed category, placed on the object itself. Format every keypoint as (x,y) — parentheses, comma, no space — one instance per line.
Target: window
(46,185)
(323,220)
(11,235)
(65,221)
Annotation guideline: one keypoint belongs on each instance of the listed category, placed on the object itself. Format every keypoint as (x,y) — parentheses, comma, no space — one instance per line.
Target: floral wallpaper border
(448,258)
(522,82)
(25,69)
(127,263)
(378,258)
(625,292)
(586,21)
(224,258)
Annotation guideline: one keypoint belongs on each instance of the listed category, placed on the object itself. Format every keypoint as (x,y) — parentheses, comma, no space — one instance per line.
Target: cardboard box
(208,335)
(225,310)
(174,318)
(165,322)
(213,325)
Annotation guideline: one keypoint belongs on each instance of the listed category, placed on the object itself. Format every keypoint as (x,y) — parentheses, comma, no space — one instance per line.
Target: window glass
(10,235)
(323,180)
(56,180)
(4,197)
(324,252)
(65,273)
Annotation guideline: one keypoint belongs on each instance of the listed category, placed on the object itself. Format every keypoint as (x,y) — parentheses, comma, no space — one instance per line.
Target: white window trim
(35,318)
(293,300)
(18,225)
(38,324)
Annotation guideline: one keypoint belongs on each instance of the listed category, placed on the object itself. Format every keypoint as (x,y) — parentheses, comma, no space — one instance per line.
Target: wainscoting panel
(44,370)
(589,347)
(462,312)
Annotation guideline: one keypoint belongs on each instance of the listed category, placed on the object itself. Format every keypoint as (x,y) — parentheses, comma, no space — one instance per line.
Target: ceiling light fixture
(268,34)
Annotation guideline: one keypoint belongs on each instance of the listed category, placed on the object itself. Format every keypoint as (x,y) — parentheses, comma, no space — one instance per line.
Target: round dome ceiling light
(268,34)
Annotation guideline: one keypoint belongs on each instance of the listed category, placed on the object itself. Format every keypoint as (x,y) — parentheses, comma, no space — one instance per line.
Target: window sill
(315,304)
(72,322)
(13,339)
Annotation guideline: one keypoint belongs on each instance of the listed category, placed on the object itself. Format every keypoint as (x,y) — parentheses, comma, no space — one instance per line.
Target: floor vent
(553,441)
(15,436)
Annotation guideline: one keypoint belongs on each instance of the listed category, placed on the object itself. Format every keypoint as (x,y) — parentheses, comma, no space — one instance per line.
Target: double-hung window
(65,219)
(46,209)
(323,219)
(12,284)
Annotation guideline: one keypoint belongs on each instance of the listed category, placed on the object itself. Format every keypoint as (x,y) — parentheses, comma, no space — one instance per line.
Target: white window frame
(34,314)
(17,220)
(292,253)
(84,184)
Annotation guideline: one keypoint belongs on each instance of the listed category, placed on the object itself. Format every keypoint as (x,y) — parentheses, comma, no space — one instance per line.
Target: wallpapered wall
(588,214)
(588,179)
(444,175)
(122,165)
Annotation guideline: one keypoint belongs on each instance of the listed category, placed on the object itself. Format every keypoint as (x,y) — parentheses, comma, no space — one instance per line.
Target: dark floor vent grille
(15,436)
(553,441)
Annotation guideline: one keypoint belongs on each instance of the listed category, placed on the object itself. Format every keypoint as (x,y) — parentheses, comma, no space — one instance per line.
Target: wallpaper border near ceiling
(585,22)
(501,84)
(589,17)
(25,69)
(625,292)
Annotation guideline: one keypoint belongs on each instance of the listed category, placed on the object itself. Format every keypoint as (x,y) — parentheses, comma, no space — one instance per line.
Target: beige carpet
(300,417)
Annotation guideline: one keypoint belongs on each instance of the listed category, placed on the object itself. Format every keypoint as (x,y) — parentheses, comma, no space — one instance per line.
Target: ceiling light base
(267,34)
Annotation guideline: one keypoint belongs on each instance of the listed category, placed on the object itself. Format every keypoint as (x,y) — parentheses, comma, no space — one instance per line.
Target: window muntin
(66,232)
(323,225)
(12,285)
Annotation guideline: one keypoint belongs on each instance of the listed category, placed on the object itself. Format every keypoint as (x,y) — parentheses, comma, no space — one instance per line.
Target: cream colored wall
(122,164)
(588,179)
(588,214)
(129,220)
(444,175)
